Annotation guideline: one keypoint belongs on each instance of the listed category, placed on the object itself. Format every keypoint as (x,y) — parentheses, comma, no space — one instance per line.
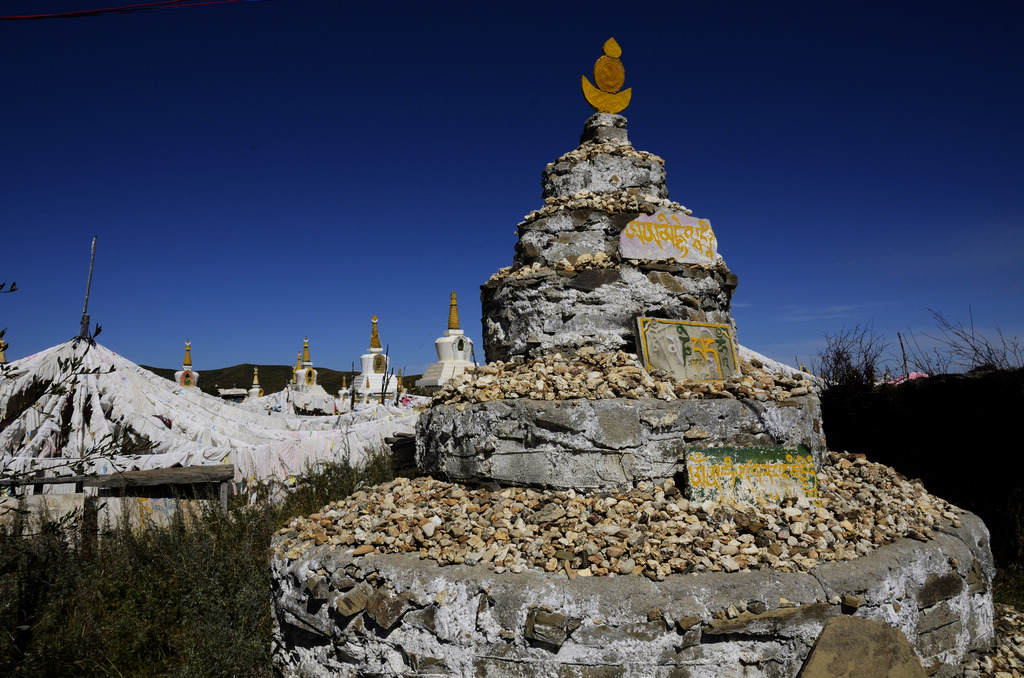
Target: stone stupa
(563,545)
(610,265)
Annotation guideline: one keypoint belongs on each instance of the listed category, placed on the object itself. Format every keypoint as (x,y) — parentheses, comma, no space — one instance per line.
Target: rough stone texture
(470,621)
(605,162)
(850,647)
(549,302)
(601,443)
(543,310)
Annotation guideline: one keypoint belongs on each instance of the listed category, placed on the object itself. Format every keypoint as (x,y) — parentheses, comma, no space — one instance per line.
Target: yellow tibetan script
(668,231)
(762,481)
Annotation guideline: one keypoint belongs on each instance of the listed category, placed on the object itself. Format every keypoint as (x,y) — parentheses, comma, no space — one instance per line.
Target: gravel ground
(1007,658)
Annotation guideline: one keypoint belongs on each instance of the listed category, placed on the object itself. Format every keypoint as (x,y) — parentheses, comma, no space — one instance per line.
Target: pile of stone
(591,375)
(564,267)
(1007,658)
(569,266)
(629,200)
(651,530)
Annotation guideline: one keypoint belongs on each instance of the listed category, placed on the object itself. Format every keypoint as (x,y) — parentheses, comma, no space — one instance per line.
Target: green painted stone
(752,475)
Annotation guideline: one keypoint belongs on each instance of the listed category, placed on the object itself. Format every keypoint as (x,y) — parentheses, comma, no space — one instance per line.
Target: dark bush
(191,599)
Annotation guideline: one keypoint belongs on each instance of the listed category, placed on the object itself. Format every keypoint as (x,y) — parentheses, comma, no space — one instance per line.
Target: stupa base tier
(536,312)
(398,614)
(611,443)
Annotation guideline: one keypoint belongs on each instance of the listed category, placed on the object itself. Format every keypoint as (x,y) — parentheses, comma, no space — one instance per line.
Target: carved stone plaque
(687,350)
(752,475)
(667,236)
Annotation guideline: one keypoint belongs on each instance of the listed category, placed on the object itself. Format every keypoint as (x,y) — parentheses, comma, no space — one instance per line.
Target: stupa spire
(374,337)
(187,363)
(453,314)
(255,376)
(305,350)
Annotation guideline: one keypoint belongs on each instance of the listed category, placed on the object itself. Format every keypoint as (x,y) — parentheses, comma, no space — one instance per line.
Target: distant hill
(272,377)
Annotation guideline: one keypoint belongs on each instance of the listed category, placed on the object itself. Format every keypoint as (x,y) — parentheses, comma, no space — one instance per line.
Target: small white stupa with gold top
(185,376)
(255,391)
(369,383)
(454,354)
(304,376)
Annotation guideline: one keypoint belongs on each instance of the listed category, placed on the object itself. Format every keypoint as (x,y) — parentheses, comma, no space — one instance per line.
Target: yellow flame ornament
(609,76)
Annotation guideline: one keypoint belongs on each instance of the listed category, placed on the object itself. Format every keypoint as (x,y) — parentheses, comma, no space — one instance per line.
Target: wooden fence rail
(180,476)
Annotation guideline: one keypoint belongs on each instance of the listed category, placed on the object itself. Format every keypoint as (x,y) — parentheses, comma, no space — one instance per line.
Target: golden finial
(305,350)
(188,355)
(298,362)
(343,385)
(609,76)
(453,314)
(3,351)
(374,337)
(255,376)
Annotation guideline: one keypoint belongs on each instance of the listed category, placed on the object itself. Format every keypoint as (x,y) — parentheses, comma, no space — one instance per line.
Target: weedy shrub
(184,600)
(851,359)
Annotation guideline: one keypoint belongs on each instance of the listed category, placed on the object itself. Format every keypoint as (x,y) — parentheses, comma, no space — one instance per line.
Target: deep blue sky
(259,172)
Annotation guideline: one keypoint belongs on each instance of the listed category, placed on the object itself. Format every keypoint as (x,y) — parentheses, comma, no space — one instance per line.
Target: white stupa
(185,376)
(454,353)
(304,376)
(369,383)
(255,391)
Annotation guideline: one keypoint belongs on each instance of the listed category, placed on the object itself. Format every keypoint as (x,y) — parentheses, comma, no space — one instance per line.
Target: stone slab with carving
(687,350)
(671,237)
(751,475)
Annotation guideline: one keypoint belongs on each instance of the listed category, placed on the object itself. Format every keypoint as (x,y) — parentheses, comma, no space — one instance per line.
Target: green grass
(191,599)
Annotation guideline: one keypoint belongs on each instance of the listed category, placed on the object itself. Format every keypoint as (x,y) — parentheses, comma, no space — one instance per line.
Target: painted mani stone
(687,350)
(666,236)
(752,475)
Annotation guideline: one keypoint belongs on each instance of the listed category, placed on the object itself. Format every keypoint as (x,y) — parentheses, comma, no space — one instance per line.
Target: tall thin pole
(84,331)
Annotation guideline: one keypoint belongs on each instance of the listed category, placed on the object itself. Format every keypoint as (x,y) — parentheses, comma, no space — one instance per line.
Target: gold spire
(374,337)
(609,76)
(255,376)
(298,362)
(453,314)
(188,355)
(305,350)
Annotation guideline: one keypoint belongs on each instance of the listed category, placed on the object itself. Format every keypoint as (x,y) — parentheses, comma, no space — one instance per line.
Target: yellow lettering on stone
(704,346)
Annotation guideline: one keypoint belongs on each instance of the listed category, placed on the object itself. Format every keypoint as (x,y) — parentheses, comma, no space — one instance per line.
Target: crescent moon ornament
(609,75)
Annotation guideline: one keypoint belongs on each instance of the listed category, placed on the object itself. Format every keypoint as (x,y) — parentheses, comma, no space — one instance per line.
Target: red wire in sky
(126,9)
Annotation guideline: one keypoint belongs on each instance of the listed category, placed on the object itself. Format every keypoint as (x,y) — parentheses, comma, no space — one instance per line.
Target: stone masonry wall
(601,443)
(568,287)
(342,613)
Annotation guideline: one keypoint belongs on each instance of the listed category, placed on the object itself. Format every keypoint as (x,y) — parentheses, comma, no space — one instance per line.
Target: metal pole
(84,330)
